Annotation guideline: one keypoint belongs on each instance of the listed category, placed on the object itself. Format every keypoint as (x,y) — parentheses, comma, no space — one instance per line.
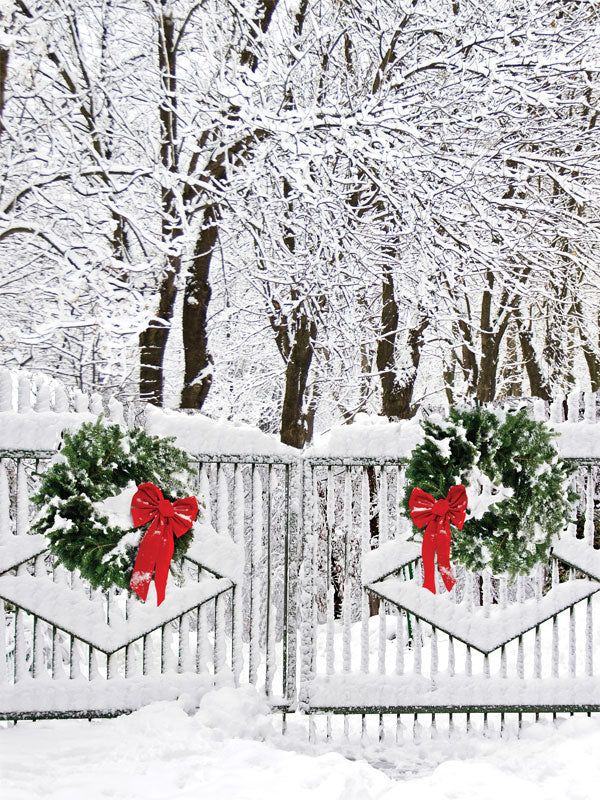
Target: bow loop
(167,519)
(437,515)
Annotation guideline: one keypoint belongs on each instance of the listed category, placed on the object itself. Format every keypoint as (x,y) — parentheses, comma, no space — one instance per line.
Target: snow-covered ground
(232,749)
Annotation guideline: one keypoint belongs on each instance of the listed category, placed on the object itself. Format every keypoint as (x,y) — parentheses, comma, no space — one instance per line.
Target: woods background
(287,212)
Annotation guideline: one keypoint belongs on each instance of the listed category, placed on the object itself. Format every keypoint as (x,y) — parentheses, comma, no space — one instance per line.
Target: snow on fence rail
(320,620)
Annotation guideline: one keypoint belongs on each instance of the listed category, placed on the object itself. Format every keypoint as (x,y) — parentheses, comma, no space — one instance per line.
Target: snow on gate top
(26,429)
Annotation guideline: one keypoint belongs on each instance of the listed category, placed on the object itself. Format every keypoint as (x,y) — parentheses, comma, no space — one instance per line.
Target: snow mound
(369,435)
(38,430)
(240,713)
(197,433)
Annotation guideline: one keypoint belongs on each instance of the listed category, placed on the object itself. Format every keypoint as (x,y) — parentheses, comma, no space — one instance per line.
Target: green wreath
(518,487)
(96,463)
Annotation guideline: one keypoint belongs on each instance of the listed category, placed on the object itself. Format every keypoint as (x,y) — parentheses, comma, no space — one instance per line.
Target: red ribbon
(437,515)
(167,519)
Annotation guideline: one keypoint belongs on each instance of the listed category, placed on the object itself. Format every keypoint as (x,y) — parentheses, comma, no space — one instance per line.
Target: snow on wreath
(85,501)
(517,486)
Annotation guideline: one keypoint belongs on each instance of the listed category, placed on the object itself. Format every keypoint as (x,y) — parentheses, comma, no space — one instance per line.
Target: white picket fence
(298,622)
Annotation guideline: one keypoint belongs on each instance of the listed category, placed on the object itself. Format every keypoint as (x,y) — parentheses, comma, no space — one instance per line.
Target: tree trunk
(153,340)
(197,294)
(198,361)
(538,385)
(396,397)
(3,77)
(296,421)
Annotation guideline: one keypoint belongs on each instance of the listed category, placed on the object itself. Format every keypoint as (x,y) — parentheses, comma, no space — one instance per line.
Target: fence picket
(6,390)
(5,530)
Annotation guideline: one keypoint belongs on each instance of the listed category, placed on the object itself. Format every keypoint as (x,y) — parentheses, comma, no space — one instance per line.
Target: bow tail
(443,554)
(428,555)
(145,562)
(162,568)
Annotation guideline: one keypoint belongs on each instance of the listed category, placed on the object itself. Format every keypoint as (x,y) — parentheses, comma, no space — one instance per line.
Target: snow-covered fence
(67,649)
(487,647)
(325,615)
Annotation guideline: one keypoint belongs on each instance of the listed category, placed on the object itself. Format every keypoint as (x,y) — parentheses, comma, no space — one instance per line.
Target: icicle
(555,573)
(539,580)
(307,639)
(347,622)
(3,653)
(468,596)
(96,405)
(42,396)
(184,658)
(58,672)
(520,659)
(204,491)
(6,390)
(238,504)
(23,395)
(556,409)
(116,412)
(588,528)
(220,661)
(487,592)
(201,640)
(330,512)
(589,414)
(81,401)
(417,645)
(131,661)
(111,666)
(434,654)
(573,401)
(400,643)
(93,671)
(74,659)
(399,729)
(383,507)
(237,658)
(417,730)
(329,640)
(520,589)
(167,656)
(222,528)
(399,503)
(256,583)
(271,651)
(589,639)
(503,592)
(61,399)
(539,410)
(130,417)
(5,532)
(451,656)
(537,653)
(310,519)
(365,547)
(22,501)
(382,640)
(40,632)
(572,643)
(222,502)
(555,646)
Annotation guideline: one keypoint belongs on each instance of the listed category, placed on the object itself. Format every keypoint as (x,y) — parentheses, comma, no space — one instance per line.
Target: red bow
(166,520)
(437,515)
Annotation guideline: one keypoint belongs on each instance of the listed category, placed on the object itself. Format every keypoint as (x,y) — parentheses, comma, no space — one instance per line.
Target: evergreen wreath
(518,487)
(96,463)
